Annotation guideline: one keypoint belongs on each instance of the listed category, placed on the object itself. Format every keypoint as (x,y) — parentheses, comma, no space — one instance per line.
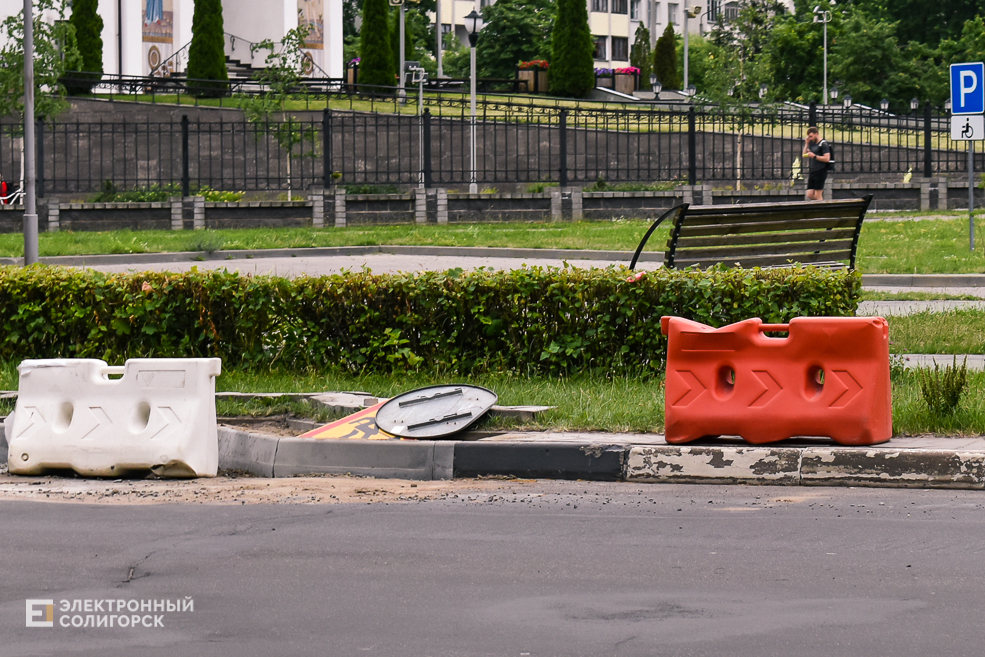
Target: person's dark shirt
(819,148)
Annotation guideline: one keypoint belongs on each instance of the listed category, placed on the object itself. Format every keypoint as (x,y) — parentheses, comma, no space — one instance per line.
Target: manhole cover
(434,411)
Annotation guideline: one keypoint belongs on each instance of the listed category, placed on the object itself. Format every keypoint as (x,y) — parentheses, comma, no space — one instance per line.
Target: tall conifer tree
(88,26)
(207,53)
(665,59)
(376,57)
(572,71)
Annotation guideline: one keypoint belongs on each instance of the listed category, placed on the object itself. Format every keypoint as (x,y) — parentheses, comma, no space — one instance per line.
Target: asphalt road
(537,568)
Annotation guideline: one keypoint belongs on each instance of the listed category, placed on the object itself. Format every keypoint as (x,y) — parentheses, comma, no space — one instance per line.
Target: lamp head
(473,22)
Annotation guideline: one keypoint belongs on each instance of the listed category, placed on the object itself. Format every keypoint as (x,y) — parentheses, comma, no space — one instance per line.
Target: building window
(672,13)
(619,7)
(600,48)
(731,11)
(634,10)
(600,5)
(484,3)
(714,8)
(445,31)
(620,49)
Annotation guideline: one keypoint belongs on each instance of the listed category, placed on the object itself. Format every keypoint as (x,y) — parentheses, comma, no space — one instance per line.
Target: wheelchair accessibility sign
(968,127)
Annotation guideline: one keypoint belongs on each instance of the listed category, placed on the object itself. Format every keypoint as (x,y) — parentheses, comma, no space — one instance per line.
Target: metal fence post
(927,163)
(812,113)
(426,147)
(563,147)
(692,162)
(186,183)
(39,135)
(326,140)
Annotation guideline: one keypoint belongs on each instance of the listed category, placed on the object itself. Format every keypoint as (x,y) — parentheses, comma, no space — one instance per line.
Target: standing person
(819,153)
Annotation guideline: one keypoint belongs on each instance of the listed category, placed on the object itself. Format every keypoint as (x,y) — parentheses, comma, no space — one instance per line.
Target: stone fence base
(335,208)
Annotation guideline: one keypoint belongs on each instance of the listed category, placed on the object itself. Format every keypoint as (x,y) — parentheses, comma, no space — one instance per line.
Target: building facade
(614,22)
(141,37)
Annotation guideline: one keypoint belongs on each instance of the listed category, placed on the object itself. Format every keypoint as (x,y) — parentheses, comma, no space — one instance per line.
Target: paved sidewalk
(898,308)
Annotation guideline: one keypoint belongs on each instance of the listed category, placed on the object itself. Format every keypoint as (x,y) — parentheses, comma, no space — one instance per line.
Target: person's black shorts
(815,179)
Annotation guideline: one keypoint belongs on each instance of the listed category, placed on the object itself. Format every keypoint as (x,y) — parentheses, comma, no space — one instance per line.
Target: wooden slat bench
(820,233)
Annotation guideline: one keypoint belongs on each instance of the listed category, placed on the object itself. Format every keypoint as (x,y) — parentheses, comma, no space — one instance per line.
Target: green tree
(54,53)
(207,53)
(457,60)
(665,59)
(395,38)
(88,37)
(376,63)
(514,31)
(923,21)
(640,55)
(281,77)
(350,10)
(867,61)
(572,71)
(703,57)
(744,44)
(796,57)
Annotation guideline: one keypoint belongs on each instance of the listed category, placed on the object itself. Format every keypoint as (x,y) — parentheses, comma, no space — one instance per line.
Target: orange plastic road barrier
(829,376)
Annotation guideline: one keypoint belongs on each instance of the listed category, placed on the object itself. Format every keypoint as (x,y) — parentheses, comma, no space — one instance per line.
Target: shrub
(371,189)
(572,71)
(942,389)
(530,321)
(601,185)
(159,194)
(207,54)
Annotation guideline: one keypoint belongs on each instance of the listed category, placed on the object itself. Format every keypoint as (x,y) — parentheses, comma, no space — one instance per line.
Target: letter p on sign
(968,88)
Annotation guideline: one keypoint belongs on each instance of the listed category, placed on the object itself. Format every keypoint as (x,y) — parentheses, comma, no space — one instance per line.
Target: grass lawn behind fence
(936,246)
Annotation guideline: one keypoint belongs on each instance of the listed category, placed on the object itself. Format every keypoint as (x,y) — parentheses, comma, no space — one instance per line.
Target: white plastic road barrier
(159,416)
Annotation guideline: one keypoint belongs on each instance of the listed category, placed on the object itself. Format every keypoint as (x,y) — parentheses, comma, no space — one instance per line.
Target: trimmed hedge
(530,321)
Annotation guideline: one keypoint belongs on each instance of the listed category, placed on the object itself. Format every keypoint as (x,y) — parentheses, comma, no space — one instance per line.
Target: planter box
(352,75)
(536,79)
(606,83)
(625,83)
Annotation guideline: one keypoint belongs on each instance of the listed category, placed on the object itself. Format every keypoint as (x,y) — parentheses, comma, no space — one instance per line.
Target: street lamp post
(823,16)
(30,167)
(474,23)
(656,85)
(688,13)
(438,36)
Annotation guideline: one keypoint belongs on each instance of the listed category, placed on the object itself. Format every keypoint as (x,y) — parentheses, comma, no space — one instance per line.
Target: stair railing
(176,63)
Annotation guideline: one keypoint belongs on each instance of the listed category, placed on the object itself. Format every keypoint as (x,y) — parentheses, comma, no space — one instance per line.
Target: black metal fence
(514,144)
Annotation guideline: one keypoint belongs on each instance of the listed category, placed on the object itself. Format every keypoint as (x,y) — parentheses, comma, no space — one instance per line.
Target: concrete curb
(923,280)
(882,466)
(539,460)
(247,254)
(810,466)
(273,456)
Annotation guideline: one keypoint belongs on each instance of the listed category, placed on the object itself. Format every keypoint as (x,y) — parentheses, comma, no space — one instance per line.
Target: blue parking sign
(968,88)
